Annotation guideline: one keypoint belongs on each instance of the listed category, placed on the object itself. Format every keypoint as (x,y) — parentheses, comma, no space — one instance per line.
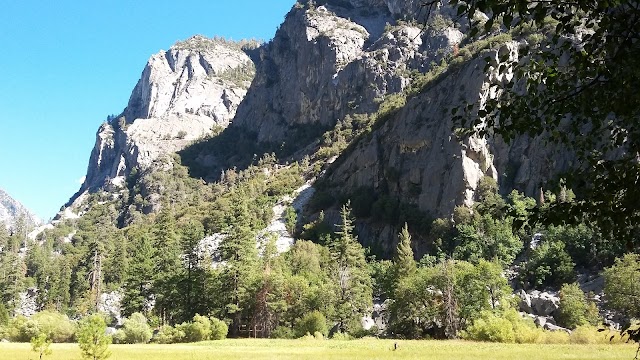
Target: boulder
(545,304)
(542,321)
(552,327)
(525,302)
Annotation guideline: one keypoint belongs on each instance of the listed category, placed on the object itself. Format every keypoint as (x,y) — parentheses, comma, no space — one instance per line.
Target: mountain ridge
(12,211)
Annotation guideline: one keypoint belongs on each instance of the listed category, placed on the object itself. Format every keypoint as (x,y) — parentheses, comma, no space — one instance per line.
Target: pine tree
(167,264)
(193,277)
(404,262)
(12,272)
(352,274)
(140,272)
(238,278)
(269,300)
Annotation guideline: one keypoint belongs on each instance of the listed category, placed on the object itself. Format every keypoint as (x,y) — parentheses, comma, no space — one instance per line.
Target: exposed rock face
(327,61)
(110,303)
(340,58)
(416,156)
(182,95)
(28,303)
(335,59)
(11,210)
(539,303)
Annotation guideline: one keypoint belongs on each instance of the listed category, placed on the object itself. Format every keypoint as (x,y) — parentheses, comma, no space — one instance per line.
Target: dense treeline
(173,281)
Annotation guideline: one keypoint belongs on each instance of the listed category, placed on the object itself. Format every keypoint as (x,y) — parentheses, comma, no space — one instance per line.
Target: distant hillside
(11,210)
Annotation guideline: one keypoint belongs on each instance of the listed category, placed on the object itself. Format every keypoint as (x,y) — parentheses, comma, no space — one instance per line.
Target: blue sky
(66,65)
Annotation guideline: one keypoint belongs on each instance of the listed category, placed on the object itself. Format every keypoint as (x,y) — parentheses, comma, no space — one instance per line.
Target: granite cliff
(184,94)
(329,60)
(11,211)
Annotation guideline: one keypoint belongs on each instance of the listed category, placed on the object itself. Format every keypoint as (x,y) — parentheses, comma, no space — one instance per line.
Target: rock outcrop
(184,94)
(12,210)
(335,59)
(330,59)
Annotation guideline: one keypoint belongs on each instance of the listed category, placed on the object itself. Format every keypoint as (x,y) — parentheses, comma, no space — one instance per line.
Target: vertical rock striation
(183,94)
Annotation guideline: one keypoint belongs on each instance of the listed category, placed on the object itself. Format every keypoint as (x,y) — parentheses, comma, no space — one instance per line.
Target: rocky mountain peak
(11,211)
(198,76)
(183,94)
(334,58)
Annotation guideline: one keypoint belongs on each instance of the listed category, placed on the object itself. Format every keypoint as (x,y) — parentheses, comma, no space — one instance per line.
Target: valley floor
(255,349)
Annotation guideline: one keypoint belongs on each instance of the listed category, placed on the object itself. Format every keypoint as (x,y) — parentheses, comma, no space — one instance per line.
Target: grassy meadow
(368,349)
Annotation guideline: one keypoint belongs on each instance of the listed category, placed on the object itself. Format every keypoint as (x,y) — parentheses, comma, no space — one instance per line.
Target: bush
(56,326)
(135,330)
(167,334)
(587,334)
(492,328)
(525,331)
(621,286)
(360,332)
(311,323)
(21,329)
(282,332)
(219,329)
(554,337)
(341,336)
(506,327)
(198,330)
(574,309)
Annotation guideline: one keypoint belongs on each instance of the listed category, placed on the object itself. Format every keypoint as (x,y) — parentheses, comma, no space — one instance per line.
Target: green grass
(368,349)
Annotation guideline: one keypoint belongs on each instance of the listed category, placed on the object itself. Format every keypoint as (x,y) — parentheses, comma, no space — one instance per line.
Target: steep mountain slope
(184,94)
(11,210)
(337,62)
(339,58)
(222,186)
(369,83)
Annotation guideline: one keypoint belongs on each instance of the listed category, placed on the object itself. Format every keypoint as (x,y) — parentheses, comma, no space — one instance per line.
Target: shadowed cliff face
(336,59)
(183,94)
(340,58)
(327,61)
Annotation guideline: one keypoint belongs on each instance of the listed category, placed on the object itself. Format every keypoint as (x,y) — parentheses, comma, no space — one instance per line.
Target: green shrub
(219,329)
(360,332)
(507,327)
(554,337)
(491,327)
(56,326)
(574,309)
(282,332)
(198,330)
(524,329)
(311,323)
(119,337)
(587,334)
(341,336)
(21,329)
(167,334)
(135,330)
